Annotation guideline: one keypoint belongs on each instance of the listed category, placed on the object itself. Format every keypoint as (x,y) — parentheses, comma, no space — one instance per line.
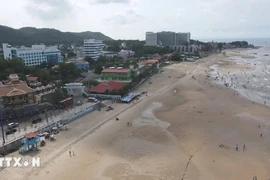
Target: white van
(91,99)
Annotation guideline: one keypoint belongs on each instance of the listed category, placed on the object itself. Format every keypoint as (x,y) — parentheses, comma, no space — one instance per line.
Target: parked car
(10,131)
(36,120)
(90,99)
(12,125)
(45,134)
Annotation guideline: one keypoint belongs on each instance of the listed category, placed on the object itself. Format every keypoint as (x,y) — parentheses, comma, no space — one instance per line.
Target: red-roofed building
(33,81)
(110,85)
(117,74)
(159,58)
(168,55)
(150,62)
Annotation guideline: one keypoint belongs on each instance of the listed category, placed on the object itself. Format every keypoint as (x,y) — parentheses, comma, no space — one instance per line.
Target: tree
(89,60)
(59,94)
(90,83)
(98,69)
(175,57)
(68,71)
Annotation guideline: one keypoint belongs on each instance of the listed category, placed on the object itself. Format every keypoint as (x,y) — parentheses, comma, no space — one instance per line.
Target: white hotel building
(35,55)
(93,48)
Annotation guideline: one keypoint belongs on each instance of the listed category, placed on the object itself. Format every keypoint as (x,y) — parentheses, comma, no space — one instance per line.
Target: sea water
(253,84)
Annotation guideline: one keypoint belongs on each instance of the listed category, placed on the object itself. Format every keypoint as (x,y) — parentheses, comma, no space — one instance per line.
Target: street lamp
(2,125)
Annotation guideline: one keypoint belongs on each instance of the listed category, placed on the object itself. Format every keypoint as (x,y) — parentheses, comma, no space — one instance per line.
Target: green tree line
(66,72)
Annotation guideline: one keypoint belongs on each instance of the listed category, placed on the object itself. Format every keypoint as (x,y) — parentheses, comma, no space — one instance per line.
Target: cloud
(113,1)
(125,18)
(49,9)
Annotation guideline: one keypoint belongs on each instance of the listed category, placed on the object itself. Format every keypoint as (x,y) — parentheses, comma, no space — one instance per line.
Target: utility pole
(2,125)
(46,116)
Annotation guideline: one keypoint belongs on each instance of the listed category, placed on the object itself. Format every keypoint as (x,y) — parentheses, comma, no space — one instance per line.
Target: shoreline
(181,139)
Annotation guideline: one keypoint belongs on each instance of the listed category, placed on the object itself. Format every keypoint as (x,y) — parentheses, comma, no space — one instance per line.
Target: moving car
(12,125)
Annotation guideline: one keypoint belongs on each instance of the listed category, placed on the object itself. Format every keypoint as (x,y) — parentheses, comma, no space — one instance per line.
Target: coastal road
(27,127)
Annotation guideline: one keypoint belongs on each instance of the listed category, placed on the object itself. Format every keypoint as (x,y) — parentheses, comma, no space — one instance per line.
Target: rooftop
(110,85)
(31,78)
(15,90)
(151,61)
(122,71)
(31,135)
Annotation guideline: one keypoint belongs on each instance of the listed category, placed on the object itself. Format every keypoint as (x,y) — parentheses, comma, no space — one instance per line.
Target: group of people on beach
(231,80)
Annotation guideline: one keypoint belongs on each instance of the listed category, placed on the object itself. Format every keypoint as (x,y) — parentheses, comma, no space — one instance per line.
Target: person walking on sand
(236,147)
(244,147)
(261,134)
(69,153)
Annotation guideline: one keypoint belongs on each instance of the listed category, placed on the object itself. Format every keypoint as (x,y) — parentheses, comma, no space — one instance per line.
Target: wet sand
(186,128)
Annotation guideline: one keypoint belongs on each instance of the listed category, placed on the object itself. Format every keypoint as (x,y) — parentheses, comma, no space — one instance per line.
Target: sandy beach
(188,127)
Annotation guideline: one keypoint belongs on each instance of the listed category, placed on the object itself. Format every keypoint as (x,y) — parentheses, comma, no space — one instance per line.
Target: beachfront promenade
(26,128)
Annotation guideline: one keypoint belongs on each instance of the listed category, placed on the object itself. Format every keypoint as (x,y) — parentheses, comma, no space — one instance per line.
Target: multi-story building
(126,53)
(79,52)
(35,55)
(151,39)
(117,74)
(33,81)
(186,48)
(167,38)
(80,64)
(93,48)
(182,38)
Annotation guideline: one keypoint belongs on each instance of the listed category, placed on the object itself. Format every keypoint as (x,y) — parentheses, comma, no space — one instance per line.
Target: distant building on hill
(35,55)
(93,48)
(126,53)
(109,54)
(167,38)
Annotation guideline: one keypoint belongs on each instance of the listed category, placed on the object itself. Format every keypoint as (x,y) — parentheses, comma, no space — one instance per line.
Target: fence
(106,96)
(15,144)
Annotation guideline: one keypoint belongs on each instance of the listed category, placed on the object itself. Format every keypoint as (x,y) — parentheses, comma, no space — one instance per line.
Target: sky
(130,19)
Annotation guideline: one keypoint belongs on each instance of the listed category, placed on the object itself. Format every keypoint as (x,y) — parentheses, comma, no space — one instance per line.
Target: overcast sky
(130,19)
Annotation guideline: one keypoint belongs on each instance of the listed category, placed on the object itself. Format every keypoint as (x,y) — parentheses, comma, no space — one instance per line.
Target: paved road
(55,116)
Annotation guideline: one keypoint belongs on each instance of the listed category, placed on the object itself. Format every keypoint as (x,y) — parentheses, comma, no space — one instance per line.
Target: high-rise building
(167,38)
(35,55)
(151,39)
(93,48)
(182,38)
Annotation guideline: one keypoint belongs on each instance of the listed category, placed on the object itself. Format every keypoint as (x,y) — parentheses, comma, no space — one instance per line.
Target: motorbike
(42,143)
